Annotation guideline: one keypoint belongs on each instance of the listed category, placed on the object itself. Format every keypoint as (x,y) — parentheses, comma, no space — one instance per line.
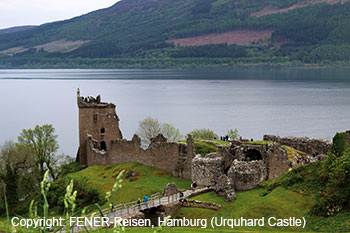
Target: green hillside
(148,180)
(133,33)
(291,195)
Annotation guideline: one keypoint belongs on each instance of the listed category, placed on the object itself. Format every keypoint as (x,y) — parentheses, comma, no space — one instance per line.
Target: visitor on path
(145,200)
(139,203)
(111,207)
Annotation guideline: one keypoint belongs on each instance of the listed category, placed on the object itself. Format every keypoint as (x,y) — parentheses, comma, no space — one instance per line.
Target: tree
(233,134)
(171,133)
(18,173)
(148,129)
(203,134)
(43,142)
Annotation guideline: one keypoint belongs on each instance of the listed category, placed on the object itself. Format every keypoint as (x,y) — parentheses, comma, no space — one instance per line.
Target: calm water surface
(299,102)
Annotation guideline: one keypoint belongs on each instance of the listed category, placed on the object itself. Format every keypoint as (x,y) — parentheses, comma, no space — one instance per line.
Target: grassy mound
(280,203)
(202,147)
(302,179)
(148,180)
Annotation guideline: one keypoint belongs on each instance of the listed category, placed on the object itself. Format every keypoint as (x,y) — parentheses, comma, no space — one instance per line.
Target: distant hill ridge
(16,29)
(133,27)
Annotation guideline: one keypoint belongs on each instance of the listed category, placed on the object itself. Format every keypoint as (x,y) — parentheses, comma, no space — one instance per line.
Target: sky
(36,12)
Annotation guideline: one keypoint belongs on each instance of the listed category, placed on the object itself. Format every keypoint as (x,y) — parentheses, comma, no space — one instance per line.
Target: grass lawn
(261,143)
(203,148)
(280,203)
(3,226)
(224,143)
(148,180)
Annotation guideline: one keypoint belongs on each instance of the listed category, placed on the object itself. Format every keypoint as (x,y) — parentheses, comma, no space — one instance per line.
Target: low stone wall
(200,191)
(169,209)
(310,146)
(199,204)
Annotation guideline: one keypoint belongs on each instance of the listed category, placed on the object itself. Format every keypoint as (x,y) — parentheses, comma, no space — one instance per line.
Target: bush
(85,194)
(69,168)
(203,134)
(233,134)
(336,193)
(338,144)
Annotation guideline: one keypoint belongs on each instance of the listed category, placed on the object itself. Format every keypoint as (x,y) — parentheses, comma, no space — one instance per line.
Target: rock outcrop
(170,189)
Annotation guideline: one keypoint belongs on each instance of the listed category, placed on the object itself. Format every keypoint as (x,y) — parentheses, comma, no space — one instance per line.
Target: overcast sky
(36,12)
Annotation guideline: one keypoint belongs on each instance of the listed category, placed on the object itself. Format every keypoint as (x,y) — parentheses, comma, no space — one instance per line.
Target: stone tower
(100,121)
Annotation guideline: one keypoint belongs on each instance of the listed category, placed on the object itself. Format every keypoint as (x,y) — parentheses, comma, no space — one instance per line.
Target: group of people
(145,200)
(224,138)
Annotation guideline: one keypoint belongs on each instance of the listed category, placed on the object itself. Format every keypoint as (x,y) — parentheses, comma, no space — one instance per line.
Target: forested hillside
(248,31)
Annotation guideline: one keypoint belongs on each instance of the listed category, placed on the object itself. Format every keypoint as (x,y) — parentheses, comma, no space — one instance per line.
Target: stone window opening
(226,170)
(103,146)
(95,118)
(252,155)
(103,130)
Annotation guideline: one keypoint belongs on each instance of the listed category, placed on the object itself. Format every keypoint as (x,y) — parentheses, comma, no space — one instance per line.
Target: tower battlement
(100,121)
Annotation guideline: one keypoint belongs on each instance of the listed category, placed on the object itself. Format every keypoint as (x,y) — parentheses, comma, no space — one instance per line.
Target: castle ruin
(240,165)
(101,142)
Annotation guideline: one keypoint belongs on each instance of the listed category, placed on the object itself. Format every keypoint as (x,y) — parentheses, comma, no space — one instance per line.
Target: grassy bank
(280,203)
(148,180)
(156,63)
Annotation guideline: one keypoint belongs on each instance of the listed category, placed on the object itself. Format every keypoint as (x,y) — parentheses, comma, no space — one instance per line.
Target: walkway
(125,209)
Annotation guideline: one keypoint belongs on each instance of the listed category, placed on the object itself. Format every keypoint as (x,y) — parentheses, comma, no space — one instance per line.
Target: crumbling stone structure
(170,189)
(314,146)
(244,164)
(206,170)
(224,188)
(100,121)
(247,175)
(101,142)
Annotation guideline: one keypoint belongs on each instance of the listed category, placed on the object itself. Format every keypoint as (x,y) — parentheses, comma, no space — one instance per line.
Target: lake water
(298,102)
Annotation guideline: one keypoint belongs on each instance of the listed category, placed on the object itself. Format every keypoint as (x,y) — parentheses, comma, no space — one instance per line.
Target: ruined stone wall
(207,170)
(98,120)
(310,146)
(247,175)
(273,155)
(173,157)
(250,164)
(277,161)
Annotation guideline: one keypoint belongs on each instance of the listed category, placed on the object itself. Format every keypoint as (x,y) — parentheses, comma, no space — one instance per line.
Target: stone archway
(103,146)
(251,155)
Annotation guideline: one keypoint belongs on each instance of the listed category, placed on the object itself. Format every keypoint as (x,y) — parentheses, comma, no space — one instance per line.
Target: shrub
(233,134)
(338,144)
(203,134)
(85,194)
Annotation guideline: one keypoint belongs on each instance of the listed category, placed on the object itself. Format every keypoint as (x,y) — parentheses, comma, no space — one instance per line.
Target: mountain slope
(16,29)
(295,29)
